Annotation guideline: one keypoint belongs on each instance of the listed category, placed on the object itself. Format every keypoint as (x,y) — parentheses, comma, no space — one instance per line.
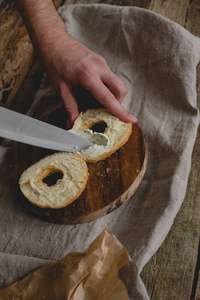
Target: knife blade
(25,129)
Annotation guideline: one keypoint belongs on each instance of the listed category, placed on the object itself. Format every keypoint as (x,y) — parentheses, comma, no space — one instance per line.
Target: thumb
(70,104)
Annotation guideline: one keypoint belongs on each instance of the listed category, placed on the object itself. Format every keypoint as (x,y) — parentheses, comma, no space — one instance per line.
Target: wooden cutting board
(111,181)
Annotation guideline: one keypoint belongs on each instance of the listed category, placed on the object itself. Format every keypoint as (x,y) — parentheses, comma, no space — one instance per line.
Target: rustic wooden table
(173,272)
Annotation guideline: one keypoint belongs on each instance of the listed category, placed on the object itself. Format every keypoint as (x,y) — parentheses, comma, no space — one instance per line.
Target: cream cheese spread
(101,143)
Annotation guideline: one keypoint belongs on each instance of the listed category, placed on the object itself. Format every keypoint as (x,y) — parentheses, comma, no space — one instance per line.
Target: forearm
(69,63)
(43,23)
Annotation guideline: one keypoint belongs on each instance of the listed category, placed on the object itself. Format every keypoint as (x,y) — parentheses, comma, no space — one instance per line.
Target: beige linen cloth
(157,60)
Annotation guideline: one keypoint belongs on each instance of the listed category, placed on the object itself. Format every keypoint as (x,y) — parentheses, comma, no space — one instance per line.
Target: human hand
(70,63)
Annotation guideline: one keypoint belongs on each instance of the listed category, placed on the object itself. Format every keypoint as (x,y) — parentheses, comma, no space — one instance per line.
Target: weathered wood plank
(193,17)
(170,273)
(16,51)
(174,10)
(195,294)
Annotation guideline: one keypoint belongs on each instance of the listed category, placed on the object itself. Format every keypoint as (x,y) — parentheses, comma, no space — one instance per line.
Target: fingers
(110,95)
(115,85)
(107,88)
(108,99)
(80,66)
(70,104)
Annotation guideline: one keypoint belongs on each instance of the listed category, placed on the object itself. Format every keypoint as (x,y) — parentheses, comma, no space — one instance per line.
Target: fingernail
(133,119)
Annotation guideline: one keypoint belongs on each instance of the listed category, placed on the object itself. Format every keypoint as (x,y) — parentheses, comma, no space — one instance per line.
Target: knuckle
(85,81)
(109,97)
(98,60)
(101,60)
(84,69)
(124,89)
(85,74)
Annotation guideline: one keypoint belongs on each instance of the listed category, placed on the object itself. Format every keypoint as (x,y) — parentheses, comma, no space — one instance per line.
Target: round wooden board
(111,181)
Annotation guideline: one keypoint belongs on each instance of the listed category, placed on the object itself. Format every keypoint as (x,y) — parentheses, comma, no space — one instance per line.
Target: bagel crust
(74,174)
(117,132)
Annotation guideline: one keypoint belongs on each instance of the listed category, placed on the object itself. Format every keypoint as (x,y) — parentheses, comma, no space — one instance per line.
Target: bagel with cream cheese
(114,137)
(69,170)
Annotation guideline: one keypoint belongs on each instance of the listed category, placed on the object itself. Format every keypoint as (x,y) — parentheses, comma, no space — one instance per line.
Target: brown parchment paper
(90,275)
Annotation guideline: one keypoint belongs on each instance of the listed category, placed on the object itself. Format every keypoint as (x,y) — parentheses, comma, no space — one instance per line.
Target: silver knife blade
(24,129)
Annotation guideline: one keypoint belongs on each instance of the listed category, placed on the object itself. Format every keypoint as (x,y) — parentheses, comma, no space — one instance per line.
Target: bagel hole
(53,178)
(99,127)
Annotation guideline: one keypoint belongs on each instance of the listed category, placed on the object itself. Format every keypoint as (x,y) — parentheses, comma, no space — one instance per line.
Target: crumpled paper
(91,275)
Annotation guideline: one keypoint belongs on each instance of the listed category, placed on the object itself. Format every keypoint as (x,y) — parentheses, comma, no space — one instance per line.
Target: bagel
(69,170)
(115,135)
(72,179)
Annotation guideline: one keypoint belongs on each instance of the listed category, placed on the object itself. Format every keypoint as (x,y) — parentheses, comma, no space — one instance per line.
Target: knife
(24,129)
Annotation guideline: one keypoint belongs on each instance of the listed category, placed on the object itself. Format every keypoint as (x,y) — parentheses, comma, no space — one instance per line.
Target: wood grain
(170,274)
(111,181)
(16,51)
